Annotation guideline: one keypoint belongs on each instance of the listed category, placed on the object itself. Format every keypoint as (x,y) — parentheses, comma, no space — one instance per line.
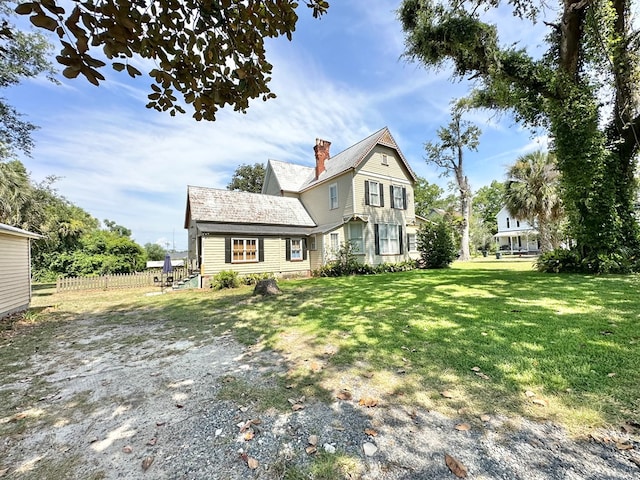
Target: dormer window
(385,160)
(508,224)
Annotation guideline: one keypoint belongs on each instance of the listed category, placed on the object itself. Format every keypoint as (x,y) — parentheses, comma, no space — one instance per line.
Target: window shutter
(391,196)
(287,254)
(366,192)
(227,249)
(377,238)
(381,194)
(304,249)
(400,239)
(261,249)
(404,197)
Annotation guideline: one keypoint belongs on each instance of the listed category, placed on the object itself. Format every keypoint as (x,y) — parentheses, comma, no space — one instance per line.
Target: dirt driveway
(98,398)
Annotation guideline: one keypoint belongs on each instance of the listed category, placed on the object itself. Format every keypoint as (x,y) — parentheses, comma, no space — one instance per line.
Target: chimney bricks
(322,155)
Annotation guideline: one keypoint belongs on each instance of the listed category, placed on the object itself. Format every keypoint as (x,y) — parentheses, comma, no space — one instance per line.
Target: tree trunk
(465,210)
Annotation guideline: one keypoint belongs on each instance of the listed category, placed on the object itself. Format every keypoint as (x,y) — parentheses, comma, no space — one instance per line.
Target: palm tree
(531,194)
(15,192)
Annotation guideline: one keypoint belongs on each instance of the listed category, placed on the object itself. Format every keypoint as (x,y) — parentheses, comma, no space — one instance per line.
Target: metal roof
(8,229)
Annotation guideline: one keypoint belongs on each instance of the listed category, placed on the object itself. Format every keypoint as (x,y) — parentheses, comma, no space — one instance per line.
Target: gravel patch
(152,410)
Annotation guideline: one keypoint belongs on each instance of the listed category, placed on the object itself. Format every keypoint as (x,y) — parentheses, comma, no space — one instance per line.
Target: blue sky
(340,79)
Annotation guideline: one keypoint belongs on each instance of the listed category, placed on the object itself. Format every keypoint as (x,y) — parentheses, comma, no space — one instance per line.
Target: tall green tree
(448,154)
(532,194)
(154,251)
(23,55)
(213,52)
(248,178)
(487,202)
(592,49)
(427,197)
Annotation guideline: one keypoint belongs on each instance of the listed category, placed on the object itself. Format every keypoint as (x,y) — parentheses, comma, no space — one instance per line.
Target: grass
(405,337)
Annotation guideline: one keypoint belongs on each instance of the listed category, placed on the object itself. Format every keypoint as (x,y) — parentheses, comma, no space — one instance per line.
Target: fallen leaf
(290,386)
(462,411)
(313,440)
(463,427)
(368,402)
(297,406)
(146,463)
(367,374)
(160,424)
(529,393)
(127,449)
(315,367)
(475,369)
(256,421)
(485,418)
(311,449)
(369,449)
(539,401)
(3,472)
(401,371)
(457,468)
(370,431)
(484,334)
(248,435)
(252,463)
(627,428)
(484,376)
(245,426)
(624,446)
(344,395)
(413,414)
(152,441)
(179,405)
(635,461)
(612,374)
(446,394)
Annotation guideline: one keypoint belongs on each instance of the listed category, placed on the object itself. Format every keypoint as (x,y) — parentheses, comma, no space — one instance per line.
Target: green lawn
(572,340)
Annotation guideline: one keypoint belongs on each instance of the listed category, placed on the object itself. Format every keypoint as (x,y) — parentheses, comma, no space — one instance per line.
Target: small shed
(15,269)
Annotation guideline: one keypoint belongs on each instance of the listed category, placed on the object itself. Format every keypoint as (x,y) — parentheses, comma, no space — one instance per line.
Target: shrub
(225,279)
(254,278)
(436,245)
(559,260)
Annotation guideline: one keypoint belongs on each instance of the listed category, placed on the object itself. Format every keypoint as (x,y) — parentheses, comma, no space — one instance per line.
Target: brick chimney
(322,155)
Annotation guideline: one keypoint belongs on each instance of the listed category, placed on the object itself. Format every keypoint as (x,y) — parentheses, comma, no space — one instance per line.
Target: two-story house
(304,214)
(515,236)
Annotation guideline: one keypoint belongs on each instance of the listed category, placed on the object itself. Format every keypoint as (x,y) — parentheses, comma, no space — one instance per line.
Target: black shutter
(261,249)
(381,194)
(227,249)
(391,196)
(377,238)
(287,254)
(400,239)
(304,249)
(366,192)
(404,197)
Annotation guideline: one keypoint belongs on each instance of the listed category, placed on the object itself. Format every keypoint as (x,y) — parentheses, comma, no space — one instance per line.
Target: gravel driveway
(117,409)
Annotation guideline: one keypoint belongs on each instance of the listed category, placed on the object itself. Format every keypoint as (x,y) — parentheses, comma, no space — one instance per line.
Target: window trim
(301,248)
(388,239)
(331,198)
(360,240)
(385,159)
(244,241)
(409,242)
(368,191)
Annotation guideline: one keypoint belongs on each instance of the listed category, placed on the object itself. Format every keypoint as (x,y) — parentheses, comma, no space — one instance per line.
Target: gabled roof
(9,230)
(352,157)
(225,206)
(297,178)
(290,176)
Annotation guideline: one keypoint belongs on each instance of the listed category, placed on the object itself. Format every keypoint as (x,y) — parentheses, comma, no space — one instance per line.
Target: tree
(112,226)
(154,251)
(487,202)
(248,178)
(427,196)
(531,193)
(448,155)
(22,55)
(436,244)
(592,54)
(211,52)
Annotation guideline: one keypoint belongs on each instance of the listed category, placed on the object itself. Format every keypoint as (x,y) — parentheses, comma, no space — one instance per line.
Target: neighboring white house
(15,269)
(515,236)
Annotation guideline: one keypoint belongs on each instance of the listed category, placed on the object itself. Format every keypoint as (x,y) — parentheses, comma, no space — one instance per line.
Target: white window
(333,196)
(398,197)
(312,243)
(355,237)
(296,249)
(334,243)
(374,193)
(411,240)
(245,250)
(388,238)
(385,160)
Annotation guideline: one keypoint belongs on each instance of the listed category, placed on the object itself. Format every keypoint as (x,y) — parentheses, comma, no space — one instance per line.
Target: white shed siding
(15,271)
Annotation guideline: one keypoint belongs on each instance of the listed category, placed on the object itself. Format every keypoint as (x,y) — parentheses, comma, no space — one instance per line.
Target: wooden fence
(123,280)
